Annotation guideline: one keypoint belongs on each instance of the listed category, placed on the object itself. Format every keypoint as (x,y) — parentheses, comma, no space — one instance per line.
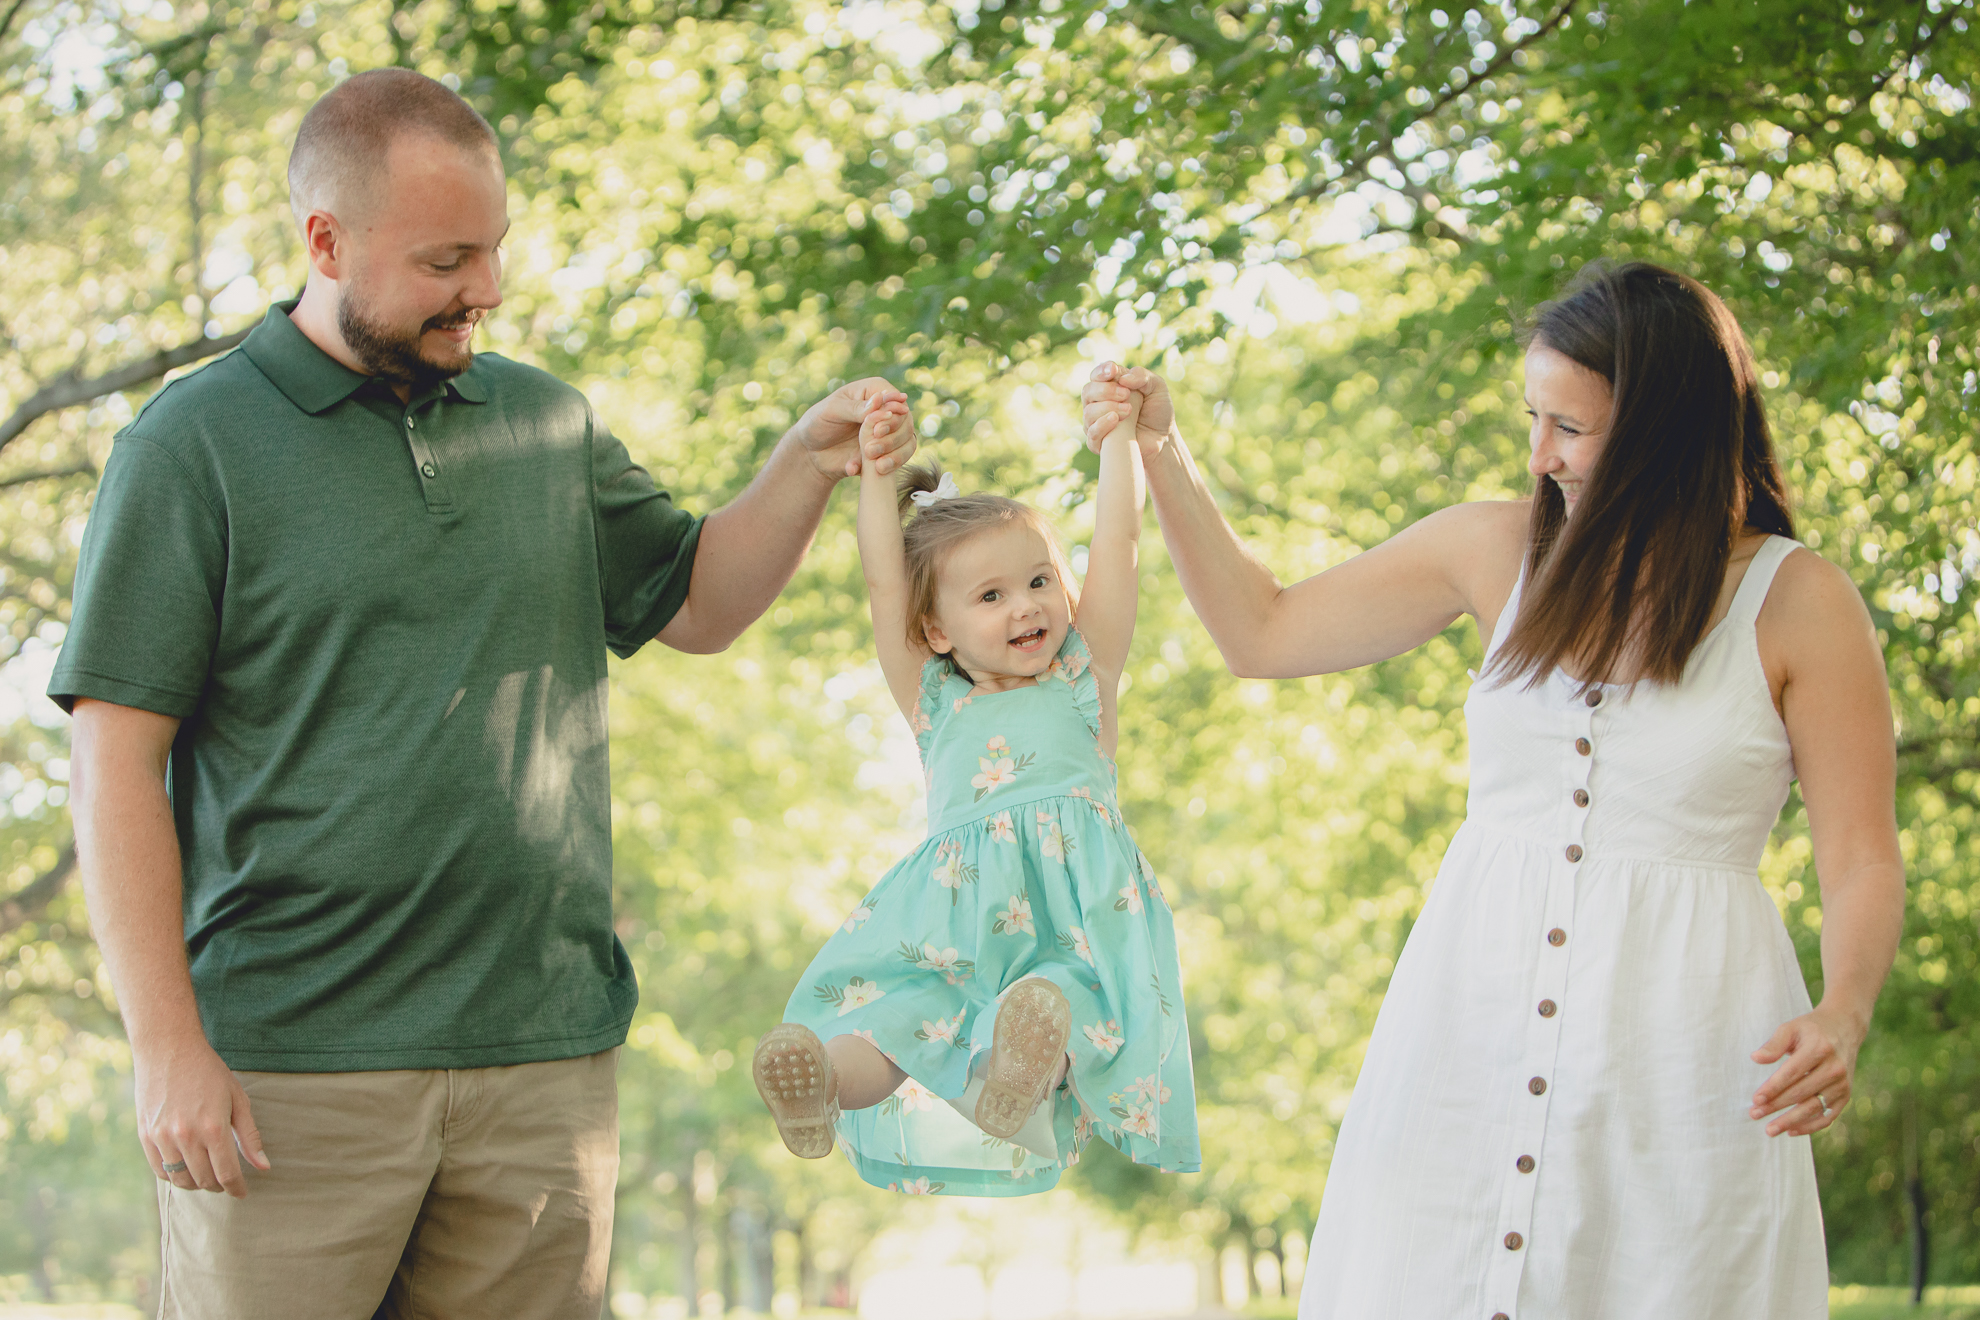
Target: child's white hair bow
(945,489)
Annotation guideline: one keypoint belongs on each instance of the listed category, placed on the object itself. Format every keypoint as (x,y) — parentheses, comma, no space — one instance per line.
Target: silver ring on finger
(1826,1111)
(176,1166)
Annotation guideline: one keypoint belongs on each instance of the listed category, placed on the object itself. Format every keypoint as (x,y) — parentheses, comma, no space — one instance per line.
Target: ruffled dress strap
(934,705)
(1073,666)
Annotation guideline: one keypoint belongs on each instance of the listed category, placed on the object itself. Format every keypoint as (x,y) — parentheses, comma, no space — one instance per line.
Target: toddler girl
(1010,987)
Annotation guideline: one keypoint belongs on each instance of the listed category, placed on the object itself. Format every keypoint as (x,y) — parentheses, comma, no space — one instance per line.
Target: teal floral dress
(1028,870)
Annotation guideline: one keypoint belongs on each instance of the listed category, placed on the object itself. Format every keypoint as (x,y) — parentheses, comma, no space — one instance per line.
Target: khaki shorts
(458,1194)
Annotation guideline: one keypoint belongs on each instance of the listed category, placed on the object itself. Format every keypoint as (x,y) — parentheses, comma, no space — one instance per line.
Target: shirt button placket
(436,493)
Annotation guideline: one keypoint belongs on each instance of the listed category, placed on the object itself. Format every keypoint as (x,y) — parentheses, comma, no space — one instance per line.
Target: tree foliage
(1322,220)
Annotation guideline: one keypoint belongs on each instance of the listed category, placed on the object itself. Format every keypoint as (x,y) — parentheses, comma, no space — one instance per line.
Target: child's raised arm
(885,562)
(1108,598)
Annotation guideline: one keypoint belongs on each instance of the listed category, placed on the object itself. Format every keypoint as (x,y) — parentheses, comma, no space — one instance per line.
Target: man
(349,590)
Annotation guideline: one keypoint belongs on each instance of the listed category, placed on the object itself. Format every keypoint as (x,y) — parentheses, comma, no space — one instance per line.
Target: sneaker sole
(1032,1028)
(793,1074)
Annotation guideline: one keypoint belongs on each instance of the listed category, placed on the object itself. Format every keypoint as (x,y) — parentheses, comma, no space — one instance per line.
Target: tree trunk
(1914,1194)
(690,1277)
(807,1270)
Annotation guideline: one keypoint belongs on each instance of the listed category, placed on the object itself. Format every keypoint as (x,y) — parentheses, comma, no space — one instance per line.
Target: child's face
(1000,607)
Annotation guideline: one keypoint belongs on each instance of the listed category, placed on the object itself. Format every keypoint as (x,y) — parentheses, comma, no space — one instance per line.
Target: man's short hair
(341,147)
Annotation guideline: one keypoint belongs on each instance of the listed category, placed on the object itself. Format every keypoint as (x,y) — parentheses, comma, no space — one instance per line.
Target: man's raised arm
(751,546)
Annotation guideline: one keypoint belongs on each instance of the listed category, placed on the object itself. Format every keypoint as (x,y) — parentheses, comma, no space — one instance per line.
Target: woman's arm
(1110,594)
(1822,653)
(885,562)
(1381,603)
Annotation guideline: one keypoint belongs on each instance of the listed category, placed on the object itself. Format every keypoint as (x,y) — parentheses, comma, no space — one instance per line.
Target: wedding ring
(176,1166)
(1826,1111)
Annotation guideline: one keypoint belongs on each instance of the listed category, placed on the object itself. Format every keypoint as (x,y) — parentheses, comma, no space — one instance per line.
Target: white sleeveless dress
(1551,1121)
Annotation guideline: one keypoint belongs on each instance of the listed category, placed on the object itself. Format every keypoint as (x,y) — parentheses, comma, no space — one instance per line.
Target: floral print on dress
(1001,828)
(1130,899)
(999,768)
(1068,668)
(946,1031)
(951,871)
(954,968)
(1138,1119)
(1105,1036)
(856,993)
(1015,919)
(1074,940)
(860,916)
(918,1187)
(1052,840)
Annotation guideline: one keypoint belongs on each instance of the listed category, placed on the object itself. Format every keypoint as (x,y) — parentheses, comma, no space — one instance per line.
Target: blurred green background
(1321,219)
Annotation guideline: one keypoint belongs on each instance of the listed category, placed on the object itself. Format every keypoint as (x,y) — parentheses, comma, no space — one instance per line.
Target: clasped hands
(870,418)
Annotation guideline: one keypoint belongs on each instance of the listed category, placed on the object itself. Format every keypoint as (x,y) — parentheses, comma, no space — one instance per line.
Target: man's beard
(395,356)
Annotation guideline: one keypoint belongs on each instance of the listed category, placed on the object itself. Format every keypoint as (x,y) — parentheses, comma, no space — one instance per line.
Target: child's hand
(887,426)
(1115,394)
(830,429)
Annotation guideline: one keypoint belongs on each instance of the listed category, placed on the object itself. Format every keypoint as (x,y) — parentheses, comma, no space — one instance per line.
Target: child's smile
(1001,608)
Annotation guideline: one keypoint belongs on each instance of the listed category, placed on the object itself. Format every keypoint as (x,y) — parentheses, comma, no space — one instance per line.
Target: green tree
(1322,221)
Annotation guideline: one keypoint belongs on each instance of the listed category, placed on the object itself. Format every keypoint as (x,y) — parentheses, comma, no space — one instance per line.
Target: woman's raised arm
(1381,603)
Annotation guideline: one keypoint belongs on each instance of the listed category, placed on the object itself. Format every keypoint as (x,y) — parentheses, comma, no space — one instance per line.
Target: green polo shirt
(383,628)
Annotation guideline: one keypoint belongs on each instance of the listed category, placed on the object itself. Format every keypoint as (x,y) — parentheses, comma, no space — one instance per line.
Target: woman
(1590,1087)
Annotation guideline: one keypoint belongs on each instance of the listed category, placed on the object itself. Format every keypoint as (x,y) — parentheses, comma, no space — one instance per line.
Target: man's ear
(325,244)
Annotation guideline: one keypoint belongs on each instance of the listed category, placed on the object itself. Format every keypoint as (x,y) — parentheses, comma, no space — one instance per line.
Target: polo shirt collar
(312,379)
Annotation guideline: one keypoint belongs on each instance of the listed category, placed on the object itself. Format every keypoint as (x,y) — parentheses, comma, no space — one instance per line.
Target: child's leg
(866,1076)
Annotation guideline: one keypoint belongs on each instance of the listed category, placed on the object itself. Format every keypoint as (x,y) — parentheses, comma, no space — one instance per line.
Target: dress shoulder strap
(1507,614)
(1752,593)
(1073,666)
(934,705)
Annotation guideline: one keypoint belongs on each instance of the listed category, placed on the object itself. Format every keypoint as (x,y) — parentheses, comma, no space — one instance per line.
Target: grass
(1854,1302)
(1860,1303)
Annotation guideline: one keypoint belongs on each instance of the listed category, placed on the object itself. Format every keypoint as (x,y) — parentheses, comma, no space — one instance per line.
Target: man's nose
(484,290)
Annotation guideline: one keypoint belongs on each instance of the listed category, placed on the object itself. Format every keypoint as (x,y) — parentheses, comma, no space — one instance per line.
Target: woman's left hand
(1817,1054)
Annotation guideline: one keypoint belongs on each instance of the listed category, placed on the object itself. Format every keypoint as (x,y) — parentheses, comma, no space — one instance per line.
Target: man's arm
(750,547)
(189,1106)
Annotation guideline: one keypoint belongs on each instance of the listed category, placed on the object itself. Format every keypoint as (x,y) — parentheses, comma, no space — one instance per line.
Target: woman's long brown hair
(1626,587)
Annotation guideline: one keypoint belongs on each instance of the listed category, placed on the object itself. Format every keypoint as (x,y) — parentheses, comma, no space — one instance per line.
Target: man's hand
(191,1110)
(1109,398)
(830,431)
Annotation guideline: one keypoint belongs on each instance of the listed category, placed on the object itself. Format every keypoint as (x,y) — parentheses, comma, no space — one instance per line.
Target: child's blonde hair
(938,528)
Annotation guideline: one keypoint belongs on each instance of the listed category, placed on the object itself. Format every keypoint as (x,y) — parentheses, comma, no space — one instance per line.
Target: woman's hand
(1111,396)
(1817,1054)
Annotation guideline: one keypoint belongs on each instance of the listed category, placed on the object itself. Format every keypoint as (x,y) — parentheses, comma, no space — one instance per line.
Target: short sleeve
(1073,666)
(645,545)
(148,590)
